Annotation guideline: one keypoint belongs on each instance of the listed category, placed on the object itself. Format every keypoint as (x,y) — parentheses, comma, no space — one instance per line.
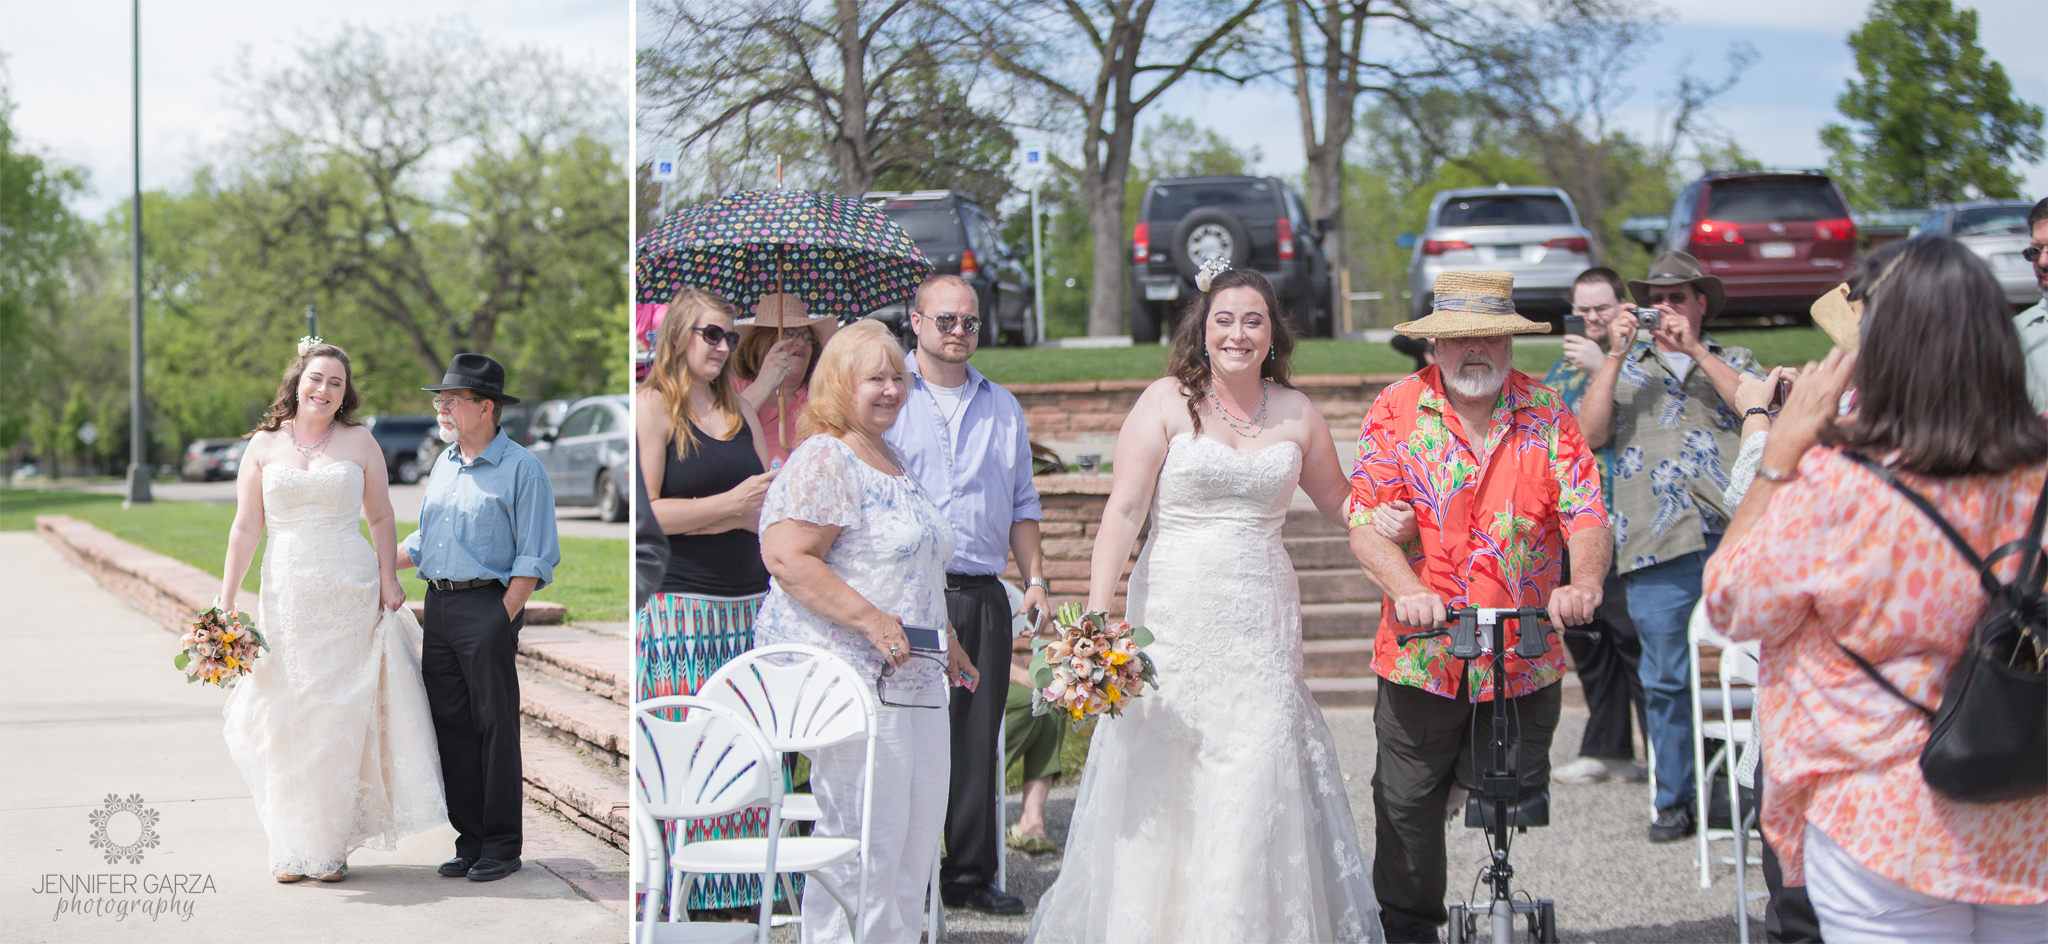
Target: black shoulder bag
(1989,742)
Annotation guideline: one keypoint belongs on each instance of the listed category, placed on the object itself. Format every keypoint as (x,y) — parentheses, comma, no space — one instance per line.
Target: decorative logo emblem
(102,818)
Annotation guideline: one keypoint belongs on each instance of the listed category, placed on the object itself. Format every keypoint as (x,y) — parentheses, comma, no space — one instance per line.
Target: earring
(1205,352)
(1272,353)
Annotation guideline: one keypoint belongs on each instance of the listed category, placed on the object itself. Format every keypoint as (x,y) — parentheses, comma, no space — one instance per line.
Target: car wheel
(611,501)
(1145,323)
(1207,232)
(409,470)
(990,316)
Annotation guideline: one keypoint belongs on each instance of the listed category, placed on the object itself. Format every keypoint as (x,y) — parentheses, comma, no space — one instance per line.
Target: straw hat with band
(1472,305)
(1678,268)
(781,310)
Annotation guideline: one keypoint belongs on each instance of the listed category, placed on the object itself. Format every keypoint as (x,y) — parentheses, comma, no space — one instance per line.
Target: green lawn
(1533,355)
(591,581)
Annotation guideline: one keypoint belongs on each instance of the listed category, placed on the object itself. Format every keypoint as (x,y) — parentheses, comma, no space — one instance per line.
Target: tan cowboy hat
(1678,268)
(1472,305)
(782,310)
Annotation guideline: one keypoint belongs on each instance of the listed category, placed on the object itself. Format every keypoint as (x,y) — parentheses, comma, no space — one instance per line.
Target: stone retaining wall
(1091,411)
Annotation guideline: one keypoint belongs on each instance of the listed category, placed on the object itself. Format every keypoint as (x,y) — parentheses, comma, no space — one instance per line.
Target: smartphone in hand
(1575,325)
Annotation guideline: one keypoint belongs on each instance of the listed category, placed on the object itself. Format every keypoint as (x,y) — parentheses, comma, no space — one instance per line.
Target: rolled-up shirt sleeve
(411,545)
(1024,504)
(536,549)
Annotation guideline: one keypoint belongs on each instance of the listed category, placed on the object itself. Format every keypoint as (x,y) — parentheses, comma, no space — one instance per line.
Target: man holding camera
(1665,406)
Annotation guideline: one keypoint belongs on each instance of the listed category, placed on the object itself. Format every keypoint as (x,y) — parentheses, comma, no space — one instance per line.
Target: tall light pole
(1033,164)
(138,425)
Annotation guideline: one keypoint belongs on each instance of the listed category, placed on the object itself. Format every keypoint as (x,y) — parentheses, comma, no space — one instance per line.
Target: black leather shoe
(1672,824)
(491,870)
(458,866)
(986,899)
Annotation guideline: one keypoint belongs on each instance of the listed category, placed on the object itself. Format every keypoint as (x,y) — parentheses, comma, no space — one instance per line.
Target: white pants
(913,765)
(1856,904)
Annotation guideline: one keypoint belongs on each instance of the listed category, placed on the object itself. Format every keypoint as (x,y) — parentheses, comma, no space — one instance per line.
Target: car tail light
(1141,242)
(1838,228)
(1568,244)
(1286,228)
(1437,247)
(1715,231)
(967,265)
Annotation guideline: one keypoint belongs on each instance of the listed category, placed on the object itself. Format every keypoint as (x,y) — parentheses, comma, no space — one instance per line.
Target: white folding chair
(650,876)
(714,762)
(1724,699)
(802,698)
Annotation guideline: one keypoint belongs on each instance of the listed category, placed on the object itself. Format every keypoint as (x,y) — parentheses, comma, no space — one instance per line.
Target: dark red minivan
(1776,239)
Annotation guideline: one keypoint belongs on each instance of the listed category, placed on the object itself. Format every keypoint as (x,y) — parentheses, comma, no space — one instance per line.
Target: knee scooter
(1500,805)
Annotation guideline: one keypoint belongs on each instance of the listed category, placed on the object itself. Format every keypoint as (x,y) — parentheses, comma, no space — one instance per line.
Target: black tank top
(727,564)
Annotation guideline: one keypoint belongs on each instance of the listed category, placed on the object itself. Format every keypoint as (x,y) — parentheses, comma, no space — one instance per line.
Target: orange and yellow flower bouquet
(1091,666)
(221,646)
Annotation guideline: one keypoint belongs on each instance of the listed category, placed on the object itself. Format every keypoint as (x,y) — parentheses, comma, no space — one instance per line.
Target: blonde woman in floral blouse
(1821,552)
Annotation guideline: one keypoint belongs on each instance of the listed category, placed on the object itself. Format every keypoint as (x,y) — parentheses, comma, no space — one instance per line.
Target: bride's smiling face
(321,387)
(1240,331)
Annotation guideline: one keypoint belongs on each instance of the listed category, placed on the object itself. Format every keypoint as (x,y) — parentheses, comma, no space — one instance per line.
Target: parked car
(1533,232)
(516,421)
(399,437)
(1776,239)
(1997,231)
(202,459)
(961,238)
(589,456)
(1255,222)
(231,458)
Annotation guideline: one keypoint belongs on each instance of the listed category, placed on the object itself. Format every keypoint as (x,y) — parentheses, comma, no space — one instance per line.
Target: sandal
(336,875)
(286,878)
(1021,841)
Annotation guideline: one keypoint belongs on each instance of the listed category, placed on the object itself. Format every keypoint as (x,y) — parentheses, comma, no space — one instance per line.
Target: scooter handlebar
(1464,630)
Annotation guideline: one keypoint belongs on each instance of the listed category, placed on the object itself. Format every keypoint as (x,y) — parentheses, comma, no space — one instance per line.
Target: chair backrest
(709,763)
(1738,663)
(799,697)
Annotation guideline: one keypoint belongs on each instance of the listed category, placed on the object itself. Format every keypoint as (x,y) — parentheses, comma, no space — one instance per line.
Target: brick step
(1336,586)
(1358,690)
(1320,552)
(1336,658)
(573,716)
(594,662)
(1339,620)
(1308,522)
(589,793)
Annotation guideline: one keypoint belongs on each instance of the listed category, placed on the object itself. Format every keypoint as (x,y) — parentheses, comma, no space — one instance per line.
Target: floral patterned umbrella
(840,255)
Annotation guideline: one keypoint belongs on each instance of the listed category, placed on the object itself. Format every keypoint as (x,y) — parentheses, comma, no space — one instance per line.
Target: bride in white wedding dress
(1213,809)
(331,729)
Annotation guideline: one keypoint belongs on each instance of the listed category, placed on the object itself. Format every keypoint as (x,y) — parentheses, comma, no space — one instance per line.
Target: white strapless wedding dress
(331,729)
(1213,809)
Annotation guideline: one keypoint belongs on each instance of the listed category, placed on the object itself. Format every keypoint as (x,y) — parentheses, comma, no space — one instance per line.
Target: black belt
(440,584)
(969,581)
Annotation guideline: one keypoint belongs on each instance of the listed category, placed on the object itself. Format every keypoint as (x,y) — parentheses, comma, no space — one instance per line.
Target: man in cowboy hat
(486,542)
(1665,404)
(1492,469)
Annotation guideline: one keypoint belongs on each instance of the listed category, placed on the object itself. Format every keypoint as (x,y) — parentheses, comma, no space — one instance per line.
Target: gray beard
(446,433)
(1479,388)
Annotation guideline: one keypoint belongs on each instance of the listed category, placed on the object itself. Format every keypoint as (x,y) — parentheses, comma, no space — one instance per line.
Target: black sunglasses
(717,336)
(2031,253)
(889,670)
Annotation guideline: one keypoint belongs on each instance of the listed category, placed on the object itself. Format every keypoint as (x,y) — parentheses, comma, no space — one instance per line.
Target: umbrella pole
(781,389)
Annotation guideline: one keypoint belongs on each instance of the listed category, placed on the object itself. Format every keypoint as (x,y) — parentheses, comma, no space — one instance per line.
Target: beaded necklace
(1249,425)
(314,450)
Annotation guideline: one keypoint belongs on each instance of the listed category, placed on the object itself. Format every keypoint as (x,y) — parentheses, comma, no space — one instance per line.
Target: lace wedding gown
(1213,809)
(331,728)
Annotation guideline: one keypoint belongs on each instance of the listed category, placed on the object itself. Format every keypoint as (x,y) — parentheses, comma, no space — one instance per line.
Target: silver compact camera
(1649,319)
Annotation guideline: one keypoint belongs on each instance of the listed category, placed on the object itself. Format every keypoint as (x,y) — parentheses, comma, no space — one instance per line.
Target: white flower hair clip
(306,343)
(1211,268)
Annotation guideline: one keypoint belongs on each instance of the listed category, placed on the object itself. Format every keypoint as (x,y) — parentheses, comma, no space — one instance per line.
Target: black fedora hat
(478,373)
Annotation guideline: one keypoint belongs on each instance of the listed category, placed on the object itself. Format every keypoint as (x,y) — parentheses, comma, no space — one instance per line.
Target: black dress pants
(1607,675)
(980,611)
(1427,742)
(473,691)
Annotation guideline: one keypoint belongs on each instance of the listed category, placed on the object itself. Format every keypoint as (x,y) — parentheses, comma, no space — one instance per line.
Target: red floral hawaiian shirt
(1492,531)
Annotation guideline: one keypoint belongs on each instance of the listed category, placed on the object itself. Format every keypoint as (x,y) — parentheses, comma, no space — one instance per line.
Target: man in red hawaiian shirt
(1481,476)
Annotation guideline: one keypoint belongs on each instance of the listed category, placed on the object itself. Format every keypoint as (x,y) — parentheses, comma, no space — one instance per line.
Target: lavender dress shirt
(983,481)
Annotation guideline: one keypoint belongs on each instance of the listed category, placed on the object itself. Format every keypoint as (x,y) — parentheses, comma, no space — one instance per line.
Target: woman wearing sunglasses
(703,459)
(772,368)
(859,552)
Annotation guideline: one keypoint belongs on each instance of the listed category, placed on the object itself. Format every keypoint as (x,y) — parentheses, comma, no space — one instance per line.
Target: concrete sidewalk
(93,710)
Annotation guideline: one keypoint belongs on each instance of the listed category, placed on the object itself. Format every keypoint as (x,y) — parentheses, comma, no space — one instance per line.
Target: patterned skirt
(678,642)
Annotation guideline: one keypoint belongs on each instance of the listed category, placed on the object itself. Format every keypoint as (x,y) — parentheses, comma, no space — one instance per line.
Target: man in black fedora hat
(486,542)
(1666,403)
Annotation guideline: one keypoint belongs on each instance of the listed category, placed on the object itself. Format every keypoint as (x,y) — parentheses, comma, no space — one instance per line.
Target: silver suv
(1532,232)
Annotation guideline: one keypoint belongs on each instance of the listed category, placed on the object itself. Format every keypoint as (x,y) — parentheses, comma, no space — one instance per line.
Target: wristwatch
(1038,582)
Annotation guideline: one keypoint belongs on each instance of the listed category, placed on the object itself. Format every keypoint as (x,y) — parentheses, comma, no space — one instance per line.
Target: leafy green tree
(1932,119)
(40,241)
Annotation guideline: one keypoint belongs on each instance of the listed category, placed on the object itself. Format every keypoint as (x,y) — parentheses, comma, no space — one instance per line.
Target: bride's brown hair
(286,406)
(1189,362)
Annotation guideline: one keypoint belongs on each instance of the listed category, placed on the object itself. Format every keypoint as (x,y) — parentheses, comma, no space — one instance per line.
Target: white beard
(446,433)
(1481,387)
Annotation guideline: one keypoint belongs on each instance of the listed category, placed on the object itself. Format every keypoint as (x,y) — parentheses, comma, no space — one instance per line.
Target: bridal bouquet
(1091,667)
(221,647)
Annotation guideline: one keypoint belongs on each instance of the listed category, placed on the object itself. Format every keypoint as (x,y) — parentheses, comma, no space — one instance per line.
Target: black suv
(962,239)
(399,437)
(1250,221)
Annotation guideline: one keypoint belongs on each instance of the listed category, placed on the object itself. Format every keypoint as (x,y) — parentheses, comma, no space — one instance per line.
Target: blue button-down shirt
(982,482)
(493,516)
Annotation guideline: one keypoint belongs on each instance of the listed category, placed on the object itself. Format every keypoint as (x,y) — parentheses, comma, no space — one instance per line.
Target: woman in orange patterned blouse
(1822,552)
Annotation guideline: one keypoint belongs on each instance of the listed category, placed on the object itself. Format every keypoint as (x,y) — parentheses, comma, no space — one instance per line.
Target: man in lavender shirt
(963,437)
